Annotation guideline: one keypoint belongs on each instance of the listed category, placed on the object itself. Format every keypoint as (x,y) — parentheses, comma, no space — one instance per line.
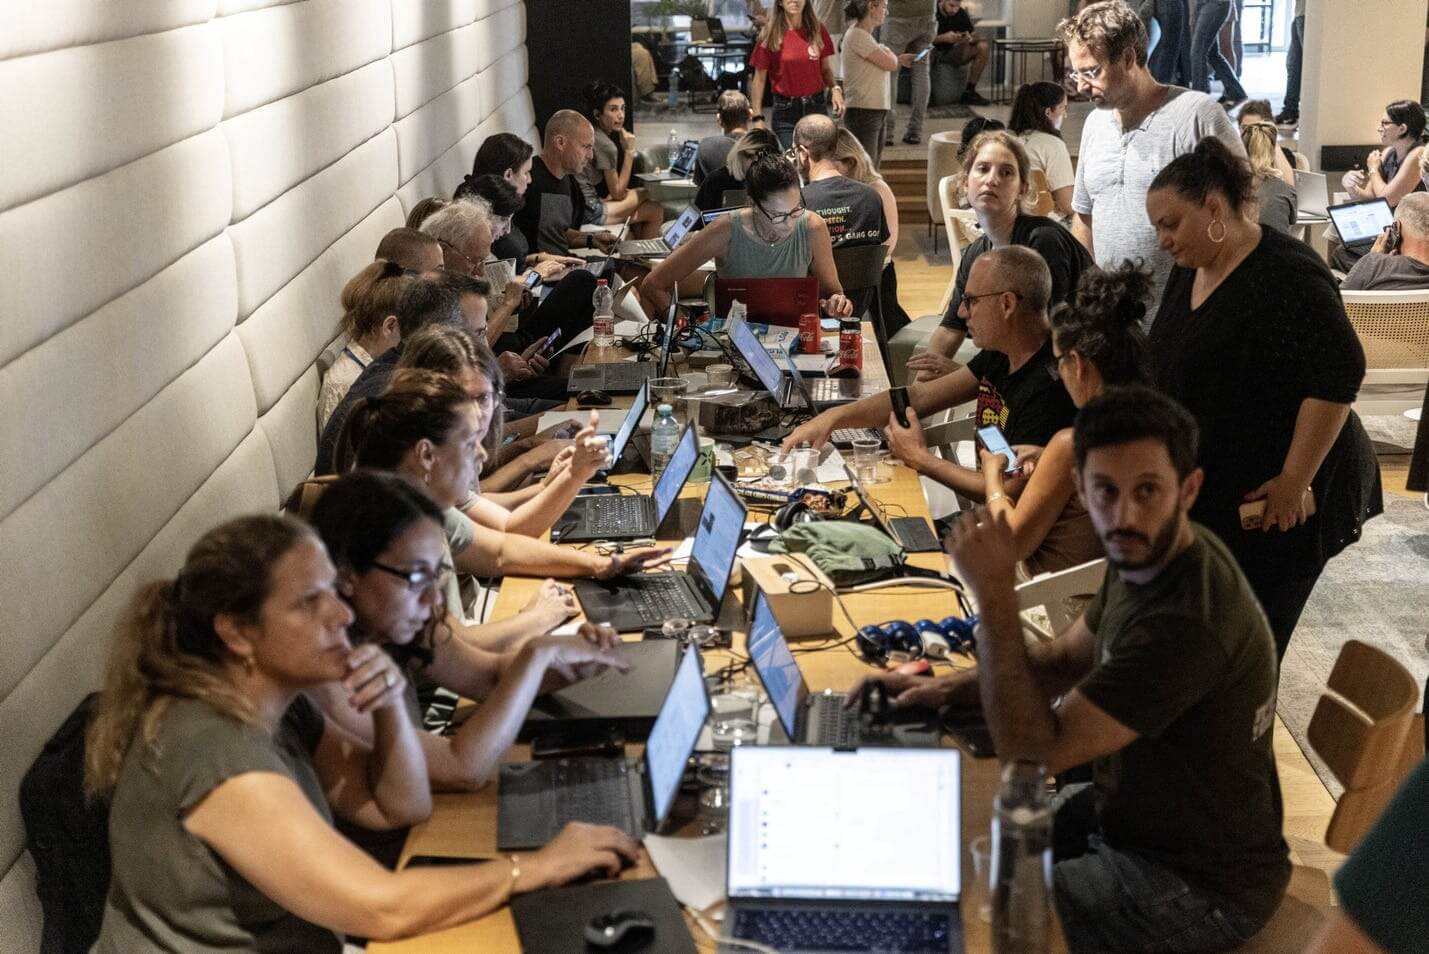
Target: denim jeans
(788,112)
(1110,900)
(867,127)
(1171,60)
(911,35)
(1294,61)
(948,76)
(1206,51)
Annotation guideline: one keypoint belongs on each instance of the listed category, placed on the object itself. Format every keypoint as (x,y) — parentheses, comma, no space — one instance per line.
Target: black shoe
(911,139)
(1288,117)
(972,97)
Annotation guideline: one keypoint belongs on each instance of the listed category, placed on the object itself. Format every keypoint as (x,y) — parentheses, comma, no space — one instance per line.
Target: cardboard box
(788,580)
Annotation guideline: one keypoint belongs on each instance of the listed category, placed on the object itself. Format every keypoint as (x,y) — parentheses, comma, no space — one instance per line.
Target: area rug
(1375,591)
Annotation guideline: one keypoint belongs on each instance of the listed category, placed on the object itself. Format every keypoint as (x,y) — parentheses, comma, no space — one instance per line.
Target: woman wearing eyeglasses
(774,237)
(1392,171)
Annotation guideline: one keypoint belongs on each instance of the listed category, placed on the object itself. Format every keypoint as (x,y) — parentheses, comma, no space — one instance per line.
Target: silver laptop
(788,390)
(1312,195)
(665,244)
(682,164)
(794,889)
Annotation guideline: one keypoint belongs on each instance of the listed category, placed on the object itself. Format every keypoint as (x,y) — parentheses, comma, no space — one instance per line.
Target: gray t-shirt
(1376,272)
(169,891)
(712,155)
(1115,169)
(1277,203)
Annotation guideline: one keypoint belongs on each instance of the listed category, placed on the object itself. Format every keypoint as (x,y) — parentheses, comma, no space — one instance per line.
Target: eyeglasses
(779,218)
(418,578)
(1090,74)
(470,265)
(1387,122)
(972,300)
(489,399)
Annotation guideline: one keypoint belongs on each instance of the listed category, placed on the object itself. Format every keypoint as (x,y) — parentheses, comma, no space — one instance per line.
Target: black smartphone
(551,341)
(1393,244)
(898,397)
(533,278)
(440,861)
(597,490)
(610,745)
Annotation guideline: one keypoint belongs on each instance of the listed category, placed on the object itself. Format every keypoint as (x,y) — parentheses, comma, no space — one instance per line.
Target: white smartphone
(996,443)
(923,55)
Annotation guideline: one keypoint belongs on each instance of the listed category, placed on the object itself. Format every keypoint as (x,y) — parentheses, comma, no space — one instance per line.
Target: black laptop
(628,516)
(631,603)
(624,377)
(822,718)
(825,392)
(794,889)
(682,165)
(1360,223)
(913,534)
(537,799)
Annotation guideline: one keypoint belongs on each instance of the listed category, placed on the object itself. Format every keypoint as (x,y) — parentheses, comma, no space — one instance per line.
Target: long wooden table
(464,825)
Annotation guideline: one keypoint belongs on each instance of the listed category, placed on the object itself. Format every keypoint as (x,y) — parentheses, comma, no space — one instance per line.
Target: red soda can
(809,333)
(850,344)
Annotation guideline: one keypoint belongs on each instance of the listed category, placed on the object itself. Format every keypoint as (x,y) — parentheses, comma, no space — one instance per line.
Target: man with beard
(1166,685)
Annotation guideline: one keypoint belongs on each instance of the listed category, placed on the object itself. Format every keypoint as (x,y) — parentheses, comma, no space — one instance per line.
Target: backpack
(68,838)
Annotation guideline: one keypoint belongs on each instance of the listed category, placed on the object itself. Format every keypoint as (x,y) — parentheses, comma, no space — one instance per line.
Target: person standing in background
(909,29)
(956,45)
(867,64)
(1294,63)
(794,59)
(1170,61)
(1206,56)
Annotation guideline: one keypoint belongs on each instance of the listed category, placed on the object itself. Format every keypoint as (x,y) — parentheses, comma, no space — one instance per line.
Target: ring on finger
(388,679)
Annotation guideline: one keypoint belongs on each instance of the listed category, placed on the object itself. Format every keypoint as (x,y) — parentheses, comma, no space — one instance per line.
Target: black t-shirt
(958,22)
(1187,661)
(1065,257)
(852,210)
(371,382)
(552,206)
(712,190)
(1273,334)
(1029,404)
(512,245)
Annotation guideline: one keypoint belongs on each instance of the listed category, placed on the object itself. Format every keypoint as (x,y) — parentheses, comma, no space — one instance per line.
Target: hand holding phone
(898,397)
(551,341)
(996,443)
(532,279)
(924,54)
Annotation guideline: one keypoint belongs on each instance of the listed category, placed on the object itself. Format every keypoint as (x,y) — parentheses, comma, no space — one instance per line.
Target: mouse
(586,398)
(609,930)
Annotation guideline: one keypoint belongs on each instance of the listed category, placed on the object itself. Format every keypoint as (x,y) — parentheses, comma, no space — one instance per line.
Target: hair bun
(1131,310)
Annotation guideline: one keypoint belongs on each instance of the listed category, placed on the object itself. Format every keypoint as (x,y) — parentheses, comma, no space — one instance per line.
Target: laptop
(537,799)
(665,244)
(913,534)
(1312,195)
(822,718)
(628,516)
(632,603)
(1360,223)
(772,301)
(794,889)
(789,390)
(707,30)
(623,377)
(623,703)
(681,167)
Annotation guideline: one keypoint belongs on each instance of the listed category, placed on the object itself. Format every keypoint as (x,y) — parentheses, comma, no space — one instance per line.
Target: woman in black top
(1252,338)
(998,183)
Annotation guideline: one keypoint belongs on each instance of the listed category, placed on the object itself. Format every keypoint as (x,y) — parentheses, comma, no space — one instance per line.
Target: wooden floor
(922,280)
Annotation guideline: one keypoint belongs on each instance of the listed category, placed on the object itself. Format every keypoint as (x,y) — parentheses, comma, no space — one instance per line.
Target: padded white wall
(185,186)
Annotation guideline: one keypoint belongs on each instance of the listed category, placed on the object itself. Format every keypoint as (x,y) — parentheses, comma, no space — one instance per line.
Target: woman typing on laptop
(775,237)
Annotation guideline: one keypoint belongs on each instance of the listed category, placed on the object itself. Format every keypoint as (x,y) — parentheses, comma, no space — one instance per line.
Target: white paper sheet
(687,545)
(610,418)
(694,867)
(624,328)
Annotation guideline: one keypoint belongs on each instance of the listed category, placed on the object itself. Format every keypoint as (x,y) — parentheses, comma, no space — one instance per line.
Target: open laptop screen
(1361,221)
(628,426)
(779,844)
(775,665)
(717,538)
(751,349)
(684,162)
(676,729)
(676,472)
(678,228)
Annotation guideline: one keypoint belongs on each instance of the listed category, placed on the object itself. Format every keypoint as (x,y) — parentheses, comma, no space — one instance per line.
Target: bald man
(550,220)
(852,210)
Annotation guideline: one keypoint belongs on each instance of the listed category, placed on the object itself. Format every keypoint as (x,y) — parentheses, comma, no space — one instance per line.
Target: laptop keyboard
(615,513)
(595,791)
(914,535)
(845,436)
(654,246)
(826,389)
(660,597)
(905,932)
(831,721)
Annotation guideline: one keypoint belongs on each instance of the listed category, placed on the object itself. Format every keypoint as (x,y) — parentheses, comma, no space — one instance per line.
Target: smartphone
(1393,244)
(899,399)
(533,278)
(440,861)
(924,54)
(551,340)
(610,745)
(992,438)
(1252,514)
(597,490)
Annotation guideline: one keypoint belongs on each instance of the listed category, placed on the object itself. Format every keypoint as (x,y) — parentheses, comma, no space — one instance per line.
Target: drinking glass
(671,391)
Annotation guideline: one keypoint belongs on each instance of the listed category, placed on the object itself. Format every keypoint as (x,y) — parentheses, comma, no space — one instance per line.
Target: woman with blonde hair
(1277,200)
(856,163)
(369,320)
(224,778)
(730,176)
(997,181)
(794,58)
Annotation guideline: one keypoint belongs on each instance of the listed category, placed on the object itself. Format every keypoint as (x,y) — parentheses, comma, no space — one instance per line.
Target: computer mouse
(609,930)
(587,398)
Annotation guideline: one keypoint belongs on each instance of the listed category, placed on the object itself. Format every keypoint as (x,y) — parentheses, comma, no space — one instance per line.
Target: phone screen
(993,439)
(551,340)
(434,861)
(533,278)
(899,398)
(923,55)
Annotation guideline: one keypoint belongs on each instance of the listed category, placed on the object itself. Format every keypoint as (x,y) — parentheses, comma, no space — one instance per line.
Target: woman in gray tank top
(773,237)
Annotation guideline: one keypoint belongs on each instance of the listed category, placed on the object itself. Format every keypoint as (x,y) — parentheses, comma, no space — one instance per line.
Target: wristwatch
(589,240)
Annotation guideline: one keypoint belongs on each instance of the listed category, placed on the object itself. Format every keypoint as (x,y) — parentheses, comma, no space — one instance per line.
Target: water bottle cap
(664,409)
(601,281)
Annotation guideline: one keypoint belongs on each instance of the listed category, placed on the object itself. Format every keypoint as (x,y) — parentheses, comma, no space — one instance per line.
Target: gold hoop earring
(249,665)
(1210,234)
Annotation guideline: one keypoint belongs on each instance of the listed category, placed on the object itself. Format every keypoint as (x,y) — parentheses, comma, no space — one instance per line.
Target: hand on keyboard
(634,561)
(578,850)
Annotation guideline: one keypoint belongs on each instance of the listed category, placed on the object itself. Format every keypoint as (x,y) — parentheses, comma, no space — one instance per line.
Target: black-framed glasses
(417,578)
(972,300)
(779,218)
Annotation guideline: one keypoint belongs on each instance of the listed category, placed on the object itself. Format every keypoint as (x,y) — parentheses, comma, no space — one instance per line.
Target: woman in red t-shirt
(795,60)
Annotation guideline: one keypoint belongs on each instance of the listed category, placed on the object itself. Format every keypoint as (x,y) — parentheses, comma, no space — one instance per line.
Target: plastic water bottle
(737,312)
(1021,861)
(664,437)
(603,322)
(673,143)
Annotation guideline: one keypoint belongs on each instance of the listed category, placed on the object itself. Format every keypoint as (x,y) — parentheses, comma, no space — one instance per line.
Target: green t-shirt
(1187,661)
(169,891)
(1381,886)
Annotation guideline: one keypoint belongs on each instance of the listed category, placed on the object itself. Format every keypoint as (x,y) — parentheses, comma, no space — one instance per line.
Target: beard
(1156,547)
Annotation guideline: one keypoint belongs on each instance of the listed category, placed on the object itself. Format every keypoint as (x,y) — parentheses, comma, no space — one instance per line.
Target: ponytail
(1103,323)
(168,648)
(1210,167)
(380,430)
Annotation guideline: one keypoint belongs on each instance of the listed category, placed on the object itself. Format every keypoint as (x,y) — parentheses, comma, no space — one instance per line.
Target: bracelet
(515,874)
(995,495)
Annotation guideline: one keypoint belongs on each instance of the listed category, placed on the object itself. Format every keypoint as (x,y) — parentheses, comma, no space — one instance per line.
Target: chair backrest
(942,162)
(1360,729)
(1393,326)
(860,266)
(1052,591)
(731,198)
(961,224)
(1302,161)
(1042,201)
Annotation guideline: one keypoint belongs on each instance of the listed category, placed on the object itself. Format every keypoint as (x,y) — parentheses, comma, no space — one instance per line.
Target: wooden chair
(1361,729)
(1393,328)
(962,228)
(942,162)
(860,269)
(1042,202)
(1052,590)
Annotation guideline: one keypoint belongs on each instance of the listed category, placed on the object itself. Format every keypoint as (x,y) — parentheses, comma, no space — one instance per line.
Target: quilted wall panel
(187,184)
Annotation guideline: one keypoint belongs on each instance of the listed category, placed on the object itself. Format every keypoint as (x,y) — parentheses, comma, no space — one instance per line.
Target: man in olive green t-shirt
(1167,685)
